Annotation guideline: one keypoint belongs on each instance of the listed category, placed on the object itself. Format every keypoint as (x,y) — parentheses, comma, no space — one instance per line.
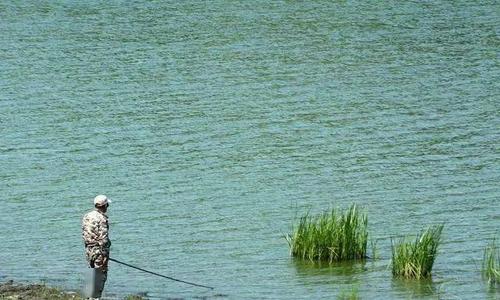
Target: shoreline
(31,291)
(28,291)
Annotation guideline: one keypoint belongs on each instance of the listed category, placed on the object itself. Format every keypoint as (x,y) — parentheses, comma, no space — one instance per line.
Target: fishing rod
(168,277)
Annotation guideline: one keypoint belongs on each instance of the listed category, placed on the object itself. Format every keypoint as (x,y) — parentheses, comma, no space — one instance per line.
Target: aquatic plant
(415,259)
(330,236)
(352,294)
(491,263)
(133,297)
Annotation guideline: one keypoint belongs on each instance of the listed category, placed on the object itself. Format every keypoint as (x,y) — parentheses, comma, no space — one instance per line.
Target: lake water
(213,124)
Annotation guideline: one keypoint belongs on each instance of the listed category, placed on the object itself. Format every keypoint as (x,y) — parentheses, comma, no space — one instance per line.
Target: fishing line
(167,277)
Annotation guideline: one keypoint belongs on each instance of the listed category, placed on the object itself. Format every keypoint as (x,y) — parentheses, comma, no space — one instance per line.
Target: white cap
(101,200)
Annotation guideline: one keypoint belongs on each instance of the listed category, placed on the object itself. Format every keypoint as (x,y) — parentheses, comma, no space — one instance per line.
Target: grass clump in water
(491,263)
(134,297)
(331,236)
(415,259)
(353,294)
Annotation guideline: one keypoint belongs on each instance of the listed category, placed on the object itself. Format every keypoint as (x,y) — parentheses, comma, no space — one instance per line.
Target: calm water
(212,124)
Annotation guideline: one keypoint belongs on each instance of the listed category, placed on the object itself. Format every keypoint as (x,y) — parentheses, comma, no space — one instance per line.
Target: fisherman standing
(95,231)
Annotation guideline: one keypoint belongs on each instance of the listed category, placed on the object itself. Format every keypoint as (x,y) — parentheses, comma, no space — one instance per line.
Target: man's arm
(102,230)
(89,230)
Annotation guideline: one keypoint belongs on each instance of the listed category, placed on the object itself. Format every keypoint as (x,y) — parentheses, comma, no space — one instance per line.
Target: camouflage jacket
(95,230)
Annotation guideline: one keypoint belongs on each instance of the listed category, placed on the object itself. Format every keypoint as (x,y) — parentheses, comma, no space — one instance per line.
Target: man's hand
(105,261)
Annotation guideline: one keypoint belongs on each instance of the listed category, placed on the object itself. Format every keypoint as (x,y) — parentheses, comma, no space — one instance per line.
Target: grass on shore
(11,290)
(330,236)
(491,263)
(415,259)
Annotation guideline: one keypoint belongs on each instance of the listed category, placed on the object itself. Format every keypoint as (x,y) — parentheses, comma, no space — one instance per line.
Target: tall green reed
(352,294)
(491,263)
(415,259)
(330,236)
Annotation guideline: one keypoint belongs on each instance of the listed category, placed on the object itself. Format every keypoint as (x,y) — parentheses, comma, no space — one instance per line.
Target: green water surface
(213,124)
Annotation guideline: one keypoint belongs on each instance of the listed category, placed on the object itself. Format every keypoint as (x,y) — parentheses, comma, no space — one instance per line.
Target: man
(95,230)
